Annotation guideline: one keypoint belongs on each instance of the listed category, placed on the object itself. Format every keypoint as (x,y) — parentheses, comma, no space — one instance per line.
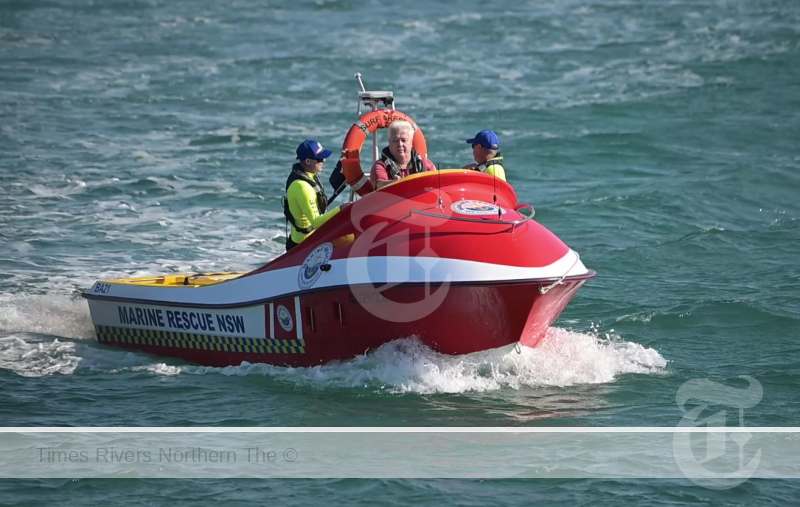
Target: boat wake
(44,335)
(29,357)
(57,315)
(564,358)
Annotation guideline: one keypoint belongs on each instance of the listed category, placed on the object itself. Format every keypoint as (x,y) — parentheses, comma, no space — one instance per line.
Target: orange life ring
(358,133)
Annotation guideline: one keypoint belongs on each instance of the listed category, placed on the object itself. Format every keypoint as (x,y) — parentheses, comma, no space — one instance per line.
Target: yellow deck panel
(183,280)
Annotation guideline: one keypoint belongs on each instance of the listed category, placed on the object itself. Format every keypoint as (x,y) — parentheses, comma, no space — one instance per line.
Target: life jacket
(322,200)
(496,160)
(393,169)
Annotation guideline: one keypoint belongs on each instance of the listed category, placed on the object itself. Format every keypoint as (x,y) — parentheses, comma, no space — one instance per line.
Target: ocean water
(659,139)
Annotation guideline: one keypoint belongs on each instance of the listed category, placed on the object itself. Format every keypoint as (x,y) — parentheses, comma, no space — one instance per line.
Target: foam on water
(62,316)
(564,358)
(58,315)
(36,359)
(23,319)
(28,357)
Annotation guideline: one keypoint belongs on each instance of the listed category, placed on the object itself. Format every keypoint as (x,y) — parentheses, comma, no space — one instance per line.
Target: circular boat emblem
(285,318)
(310,269)
(473,208)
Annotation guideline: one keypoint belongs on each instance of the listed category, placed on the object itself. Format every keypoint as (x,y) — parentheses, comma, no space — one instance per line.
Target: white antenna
(494,176)
(358,76)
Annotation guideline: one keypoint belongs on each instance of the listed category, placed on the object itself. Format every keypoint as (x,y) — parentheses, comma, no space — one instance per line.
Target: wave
(564,358)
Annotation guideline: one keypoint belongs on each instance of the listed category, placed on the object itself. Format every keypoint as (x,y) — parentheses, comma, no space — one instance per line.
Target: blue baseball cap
(485,138)
(312,149)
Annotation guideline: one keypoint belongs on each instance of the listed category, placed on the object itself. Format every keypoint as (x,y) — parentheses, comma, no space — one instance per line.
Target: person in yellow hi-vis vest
(485,146)
(306,205)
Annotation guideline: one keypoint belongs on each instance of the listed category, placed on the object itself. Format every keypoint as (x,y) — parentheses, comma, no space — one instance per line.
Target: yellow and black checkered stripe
(108,334)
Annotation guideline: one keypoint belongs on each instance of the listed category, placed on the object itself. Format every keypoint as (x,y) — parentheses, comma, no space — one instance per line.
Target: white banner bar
(728,455)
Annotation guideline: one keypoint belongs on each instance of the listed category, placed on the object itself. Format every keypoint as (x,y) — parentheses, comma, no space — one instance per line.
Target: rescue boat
(449,257)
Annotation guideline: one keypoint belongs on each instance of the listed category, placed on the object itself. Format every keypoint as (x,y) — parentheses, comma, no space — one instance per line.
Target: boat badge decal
(474,208)
(285,318)
(310,270)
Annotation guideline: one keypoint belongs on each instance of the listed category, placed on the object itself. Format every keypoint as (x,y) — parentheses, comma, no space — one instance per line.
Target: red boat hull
(446,257)
(340,324)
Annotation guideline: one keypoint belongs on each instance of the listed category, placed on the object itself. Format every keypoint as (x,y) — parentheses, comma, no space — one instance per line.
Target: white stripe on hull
(298,313)
(271,321)
(343,272)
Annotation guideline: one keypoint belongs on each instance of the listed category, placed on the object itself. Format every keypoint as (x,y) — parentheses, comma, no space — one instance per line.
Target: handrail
(476,220)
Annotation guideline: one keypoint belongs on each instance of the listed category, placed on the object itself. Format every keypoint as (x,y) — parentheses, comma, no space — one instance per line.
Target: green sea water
(659,139)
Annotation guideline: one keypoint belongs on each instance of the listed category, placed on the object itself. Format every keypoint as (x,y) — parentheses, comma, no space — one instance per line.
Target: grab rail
(513,223)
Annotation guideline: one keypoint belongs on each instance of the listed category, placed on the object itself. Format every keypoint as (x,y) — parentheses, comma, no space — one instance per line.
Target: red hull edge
(343,323)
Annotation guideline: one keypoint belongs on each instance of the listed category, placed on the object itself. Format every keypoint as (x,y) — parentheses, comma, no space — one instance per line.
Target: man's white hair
(399,126)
